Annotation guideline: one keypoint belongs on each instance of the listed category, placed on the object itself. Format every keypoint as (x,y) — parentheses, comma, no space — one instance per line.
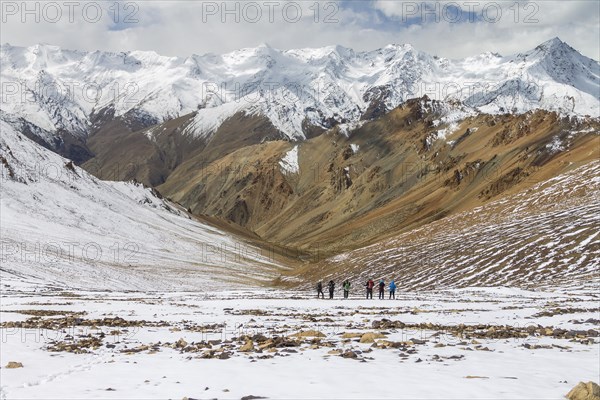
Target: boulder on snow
(584,391)
(14,364)
(349,354)
(370,337)
(249,346)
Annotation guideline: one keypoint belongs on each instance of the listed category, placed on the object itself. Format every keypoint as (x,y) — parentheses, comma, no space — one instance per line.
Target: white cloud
(186,27)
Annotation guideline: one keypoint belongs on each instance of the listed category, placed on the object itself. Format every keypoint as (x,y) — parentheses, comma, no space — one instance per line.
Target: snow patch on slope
(289,163)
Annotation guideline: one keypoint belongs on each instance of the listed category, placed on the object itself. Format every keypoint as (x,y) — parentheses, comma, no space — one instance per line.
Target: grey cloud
(178,28)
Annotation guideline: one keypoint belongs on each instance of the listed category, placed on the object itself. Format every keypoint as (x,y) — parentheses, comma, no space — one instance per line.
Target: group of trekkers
(370,285)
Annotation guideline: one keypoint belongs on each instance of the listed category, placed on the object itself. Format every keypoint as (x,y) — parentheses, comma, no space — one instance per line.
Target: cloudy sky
(451,29)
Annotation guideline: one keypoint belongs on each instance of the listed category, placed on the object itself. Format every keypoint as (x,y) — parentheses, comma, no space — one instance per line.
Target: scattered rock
(77,347)
(135,349)
(309,333)
(387,324)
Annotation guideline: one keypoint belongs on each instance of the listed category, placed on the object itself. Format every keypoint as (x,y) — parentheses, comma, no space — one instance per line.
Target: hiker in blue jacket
(392,289)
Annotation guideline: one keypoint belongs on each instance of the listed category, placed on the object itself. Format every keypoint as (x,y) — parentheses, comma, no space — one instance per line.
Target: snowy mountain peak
(554,42)
(264,45)
(552,48)
(400,47)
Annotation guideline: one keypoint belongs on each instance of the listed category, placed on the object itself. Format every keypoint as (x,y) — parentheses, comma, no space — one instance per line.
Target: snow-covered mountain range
(56,90)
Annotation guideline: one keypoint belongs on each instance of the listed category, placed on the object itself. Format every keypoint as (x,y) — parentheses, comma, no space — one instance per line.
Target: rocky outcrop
(584,391)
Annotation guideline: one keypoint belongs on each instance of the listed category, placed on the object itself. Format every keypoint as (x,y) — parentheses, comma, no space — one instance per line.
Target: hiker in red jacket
(370,285)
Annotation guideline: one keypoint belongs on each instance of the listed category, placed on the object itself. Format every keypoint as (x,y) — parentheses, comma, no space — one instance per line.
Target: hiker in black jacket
(320,290)
(381,289)
(331,286)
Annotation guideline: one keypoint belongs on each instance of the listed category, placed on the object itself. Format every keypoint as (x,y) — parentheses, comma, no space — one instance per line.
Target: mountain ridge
(297,90)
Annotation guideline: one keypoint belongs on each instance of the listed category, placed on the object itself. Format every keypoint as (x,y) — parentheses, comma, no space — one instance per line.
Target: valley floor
(468,343)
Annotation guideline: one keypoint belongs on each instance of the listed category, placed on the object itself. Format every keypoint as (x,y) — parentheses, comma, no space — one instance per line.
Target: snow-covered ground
(175,345)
